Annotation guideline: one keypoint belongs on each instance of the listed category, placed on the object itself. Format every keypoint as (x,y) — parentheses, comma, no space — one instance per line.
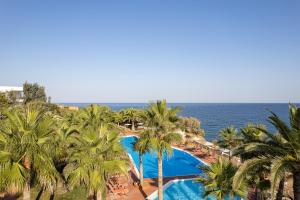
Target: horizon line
(177,102)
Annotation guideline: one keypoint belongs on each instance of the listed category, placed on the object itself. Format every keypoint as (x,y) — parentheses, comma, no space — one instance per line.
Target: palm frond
(246,168)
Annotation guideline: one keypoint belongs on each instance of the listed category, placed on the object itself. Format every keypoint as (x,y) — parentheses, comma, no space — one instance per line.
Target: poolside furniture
(117,190)
(197,149)
(118,184)
(127,125)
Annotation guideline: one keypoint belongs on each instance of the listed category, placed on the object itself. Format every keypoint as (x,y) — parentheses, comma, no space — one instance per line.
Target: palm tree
(229,138)
(96,155)
(66,135)
(218,179)
(131,115)
(24,150)
(161,123)
(117,118)
(256,177)
(142,145)
(95,115)
(72,118)
(280,152)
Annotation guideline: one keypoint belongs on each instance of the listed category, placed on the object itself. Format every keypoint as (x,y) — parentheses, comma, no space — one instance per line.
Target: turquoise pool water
(179,164)
(187,190)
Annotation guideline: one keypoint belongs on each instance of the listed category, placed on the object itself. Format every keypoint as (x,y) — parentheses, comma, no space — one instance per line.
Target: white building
(18,91)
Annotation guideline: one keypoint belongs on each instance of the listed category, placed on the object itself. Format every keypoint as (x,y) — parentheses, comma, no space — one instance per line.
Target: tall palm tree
(96,155)
(142,145)
(24,155)
(218,180)
(253,134)
(161,122)
(280,151)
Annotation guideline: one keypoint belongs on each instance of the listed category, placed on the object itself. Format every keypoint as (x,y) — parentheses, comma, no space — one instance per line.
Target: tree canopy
(34,92)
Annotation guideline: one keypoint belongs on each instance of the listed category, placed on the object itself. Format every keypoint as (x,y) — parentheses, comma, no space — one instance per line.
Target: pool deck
(150,184)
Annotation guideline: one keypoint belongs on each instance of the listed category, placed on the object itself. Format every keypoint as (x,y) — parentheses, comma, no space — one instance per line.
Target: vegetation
(191,125)
(47,150)
(4,102)
(33,92)
(25,156)
(132,116)
(256,177)
(268,159)
(279,152)
(95,115)
(96,155)
(192,129)
(218,180)
(229,139)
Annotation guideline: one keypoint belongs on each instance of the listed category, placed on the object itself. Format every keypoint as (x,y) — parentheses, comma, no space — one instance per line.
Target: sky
(140,51)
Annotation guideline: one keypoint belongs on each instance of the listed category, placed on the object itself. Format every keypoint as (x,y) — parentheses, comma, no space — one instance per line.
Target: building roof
(10,88)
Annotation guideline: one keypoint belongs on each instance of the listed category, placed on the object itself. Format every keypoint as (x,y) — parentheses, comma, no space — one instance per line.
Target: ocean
(216,116)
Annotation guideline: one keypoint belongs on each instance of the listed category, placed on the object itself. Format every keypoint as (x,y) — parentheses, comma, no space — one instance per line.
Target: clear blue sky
(137,51)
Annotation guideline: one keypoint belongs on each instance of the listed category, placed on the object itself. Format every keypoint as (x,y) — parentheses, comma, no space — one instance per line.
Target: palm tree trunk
(160,177)
(99,195)
(38,197)
(279,194)
(141,171)
(91,194)
(52,196)
(296,184)
(61,188)
(26,191)
(256,193)
(132,125)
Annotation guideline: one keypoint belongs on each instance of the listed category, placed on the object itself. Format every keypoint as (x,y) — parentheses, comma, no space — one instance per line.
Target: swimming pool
(184,189)
(181,163)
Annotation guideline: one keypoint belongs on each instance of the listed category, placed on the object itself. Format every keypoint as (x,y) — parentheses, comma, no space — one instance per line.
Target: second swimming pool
(185,189)
(180,163)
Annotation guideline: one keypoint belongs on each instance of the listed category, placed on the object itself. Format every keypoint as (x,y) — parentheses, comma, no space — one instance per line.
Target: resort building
(17,92)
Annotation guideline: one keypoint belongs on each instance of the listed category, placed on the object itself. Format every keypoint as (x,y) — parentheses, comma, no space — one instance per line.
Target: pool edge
(153,195)
(138,172)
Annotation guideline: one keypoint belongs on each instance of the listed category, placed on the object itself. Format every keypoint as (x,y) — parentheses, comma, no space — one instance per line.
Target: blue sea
(216,116)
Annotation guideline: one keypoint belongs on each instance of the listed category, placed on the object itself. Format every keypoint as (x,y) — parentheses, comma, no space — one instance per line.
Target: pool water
(180,163)
(187,190)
